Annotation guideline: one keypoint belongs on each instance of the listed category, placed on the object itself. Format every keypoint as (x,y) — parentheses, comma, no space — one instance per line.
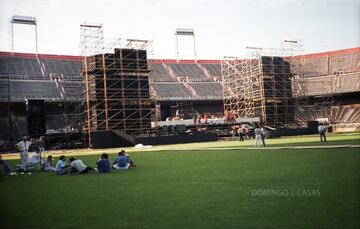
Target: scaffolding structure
(272,84)
(259,86)
(116,79)
(238,77)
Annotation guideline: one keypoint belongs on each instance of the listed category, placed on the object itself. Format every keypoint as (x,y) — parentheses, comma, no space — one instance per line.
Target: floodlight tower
(184,32)
(25,20)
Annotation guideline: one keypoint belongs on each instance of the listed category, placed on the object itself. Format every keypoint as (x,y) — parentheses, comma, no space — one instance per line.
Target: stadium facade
(329,90)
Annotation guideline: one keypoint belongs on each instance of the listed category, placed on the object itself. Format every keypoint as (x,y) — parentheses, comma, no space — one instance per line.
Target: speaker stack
(35,117)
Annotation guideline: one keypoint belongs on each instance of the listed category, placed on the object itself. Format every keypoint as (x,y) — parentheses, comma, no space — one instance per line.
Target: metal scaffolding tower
(116,79)
(258,86)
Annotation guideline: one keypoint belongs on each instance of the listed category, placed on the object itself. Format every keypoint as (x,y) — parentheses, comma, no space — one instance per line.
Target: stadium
(180,120)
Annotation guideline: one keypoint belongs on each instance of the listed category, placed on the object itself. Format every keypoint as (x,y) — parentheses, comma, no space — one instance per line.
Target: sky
(222,27)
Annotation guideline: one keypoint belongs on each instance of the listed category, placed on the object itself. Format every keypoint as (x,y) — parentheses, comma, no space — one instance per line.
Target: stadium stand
(160,74)
(198,82)
(172,90)
(204,89)
(213,69)
(346,63)
(349,114)
(191,71)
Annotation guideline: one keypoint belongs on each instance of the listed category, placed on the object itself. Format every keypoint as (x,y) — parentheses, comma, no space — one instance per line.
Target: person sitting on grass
(122,161)
(77,165)
(35,158)
(132,164)
(4,168)
(48,165)
(103,164)
(61,167)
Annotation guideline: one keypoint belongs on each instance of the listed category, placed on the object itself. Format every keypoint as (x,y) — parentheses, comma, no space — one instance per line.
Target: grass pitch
(240,188)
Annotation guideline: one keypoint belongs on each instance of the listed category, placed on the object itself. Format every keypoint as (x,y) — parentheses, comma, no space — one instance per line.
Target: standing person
(103,164)
(257,132)
(322,131)
(23,148)
(247,132)
(61,167)
(263,135)
(79,166)
(177,114)
(241,134)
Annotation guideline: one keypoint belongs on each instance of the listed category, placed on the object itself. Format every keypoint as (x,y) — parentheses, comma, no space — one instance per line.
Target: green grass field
(238,188)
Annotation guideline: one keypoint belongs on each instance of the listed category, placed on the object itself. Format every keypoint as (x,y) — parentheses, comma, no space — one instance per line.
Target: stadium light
(28,20)
(25,20)
(291,41)
(184,32)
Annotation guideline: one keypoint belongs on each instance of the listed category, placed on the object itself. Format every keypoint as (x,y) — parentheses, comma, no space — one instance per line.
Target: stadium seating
(171,90)
(34,90)
(192,71)
(19,66)
(160,74)
(64,67)
(208,89)
(345,114)
(73,89)
(330,84)
(345,63)
(315,67)
(213,69)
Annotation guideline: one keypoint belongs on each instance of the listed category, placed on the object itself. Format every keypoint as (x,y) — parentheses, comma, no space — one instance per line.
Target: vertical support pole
(105,93)
(177,48)
(9,112)
(36,39)
(12,38)
(194,48)
(87,100)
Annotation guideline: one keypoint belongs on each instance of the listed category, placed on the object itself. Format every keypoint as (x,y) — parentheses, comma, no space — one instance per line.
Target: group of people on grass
(104,165)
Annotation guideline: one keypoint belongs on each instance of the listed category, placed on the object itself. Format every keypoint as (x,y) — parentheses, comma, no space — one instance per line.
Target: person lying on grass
(77,165)
(61,167)
(123,161)
(103,164)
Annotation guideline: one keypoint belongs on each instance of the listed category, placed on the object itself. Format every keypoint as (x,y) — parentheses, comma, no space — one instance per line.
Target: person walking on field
(263,135)
(322,131)
(257,132)
(241,134)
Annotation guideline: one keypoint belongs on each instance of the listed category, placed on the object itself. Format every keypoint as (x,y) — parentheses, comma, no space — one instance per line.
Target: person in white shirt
(257,132)
(322,131)
(23,148)
(48,165)
(263,135)
(79,166)
(35,158)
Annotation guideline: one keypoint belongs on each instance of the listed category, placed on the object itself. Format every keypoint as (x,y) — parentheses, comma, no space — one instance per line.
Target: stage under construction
(116,95)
